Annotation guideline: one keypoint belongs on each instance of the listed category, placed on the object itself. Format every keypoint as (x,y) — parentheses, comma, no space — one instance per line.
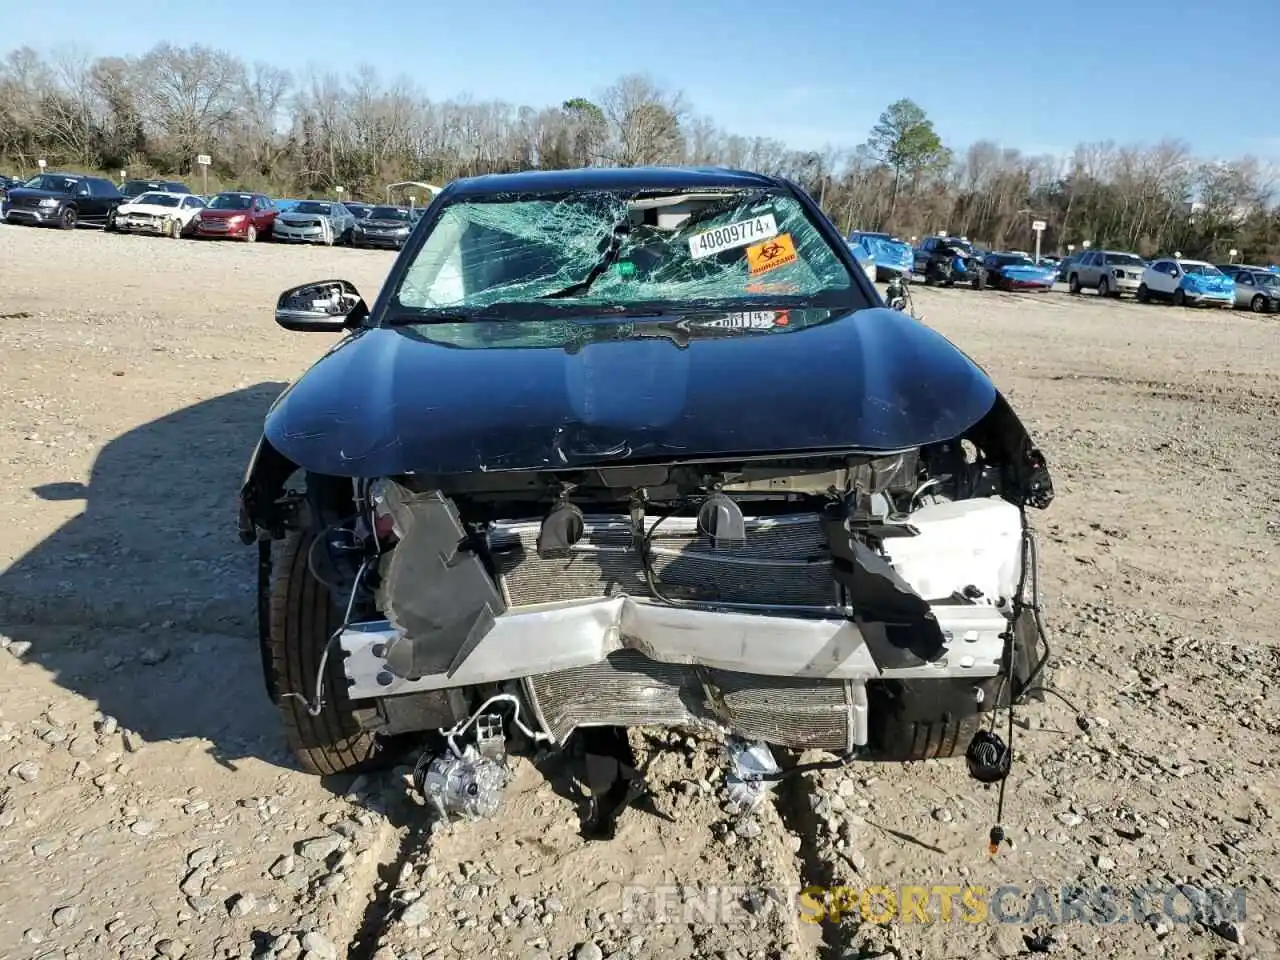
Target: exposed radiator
(783,561)
(628,689)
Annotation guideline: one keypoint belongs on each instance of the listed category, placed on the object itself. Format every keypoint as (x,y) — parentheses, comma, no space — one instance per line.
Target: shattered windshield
(619,251)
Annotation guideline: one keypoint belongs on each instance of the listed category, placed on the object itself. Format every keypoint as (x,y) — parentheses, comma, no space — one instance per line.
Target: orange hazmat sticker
(773,253)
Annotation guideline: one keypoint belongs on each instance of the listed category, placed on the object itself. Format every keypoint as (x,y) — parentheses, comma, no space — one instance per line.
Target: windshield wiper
(411,318)
(620,231)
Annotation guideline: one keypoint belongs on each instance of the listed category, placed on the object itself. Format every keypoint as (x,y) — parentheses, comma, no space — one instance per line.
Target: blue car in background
(893,257)
(866,259)
(1017,271)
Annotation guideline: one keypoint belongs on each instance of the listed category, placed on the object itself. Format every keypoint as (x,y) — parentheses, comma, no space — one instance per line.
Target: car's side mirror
(322,306)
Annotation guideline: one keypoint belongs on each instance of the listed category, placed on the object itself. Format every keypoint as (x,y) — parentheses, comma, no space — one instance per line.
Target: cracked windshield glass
(609,250)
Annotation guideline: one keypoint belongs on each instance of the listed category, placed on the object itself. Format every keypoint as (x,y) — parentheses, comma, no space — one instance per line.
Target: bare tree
(157,111)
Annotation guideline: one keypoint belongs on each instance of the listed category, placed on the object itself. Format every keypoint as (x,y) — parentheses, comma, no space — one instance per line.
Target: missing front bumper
(628,661)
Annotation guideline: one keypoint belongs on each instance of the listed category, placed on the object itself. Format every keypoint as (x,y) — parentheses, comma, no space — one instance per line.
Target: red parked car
(240,216)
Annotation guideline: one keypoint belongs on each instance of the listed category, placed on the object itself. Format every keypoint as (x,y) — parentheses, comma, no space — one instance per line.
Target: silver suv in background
(1110,272)
(1257,288)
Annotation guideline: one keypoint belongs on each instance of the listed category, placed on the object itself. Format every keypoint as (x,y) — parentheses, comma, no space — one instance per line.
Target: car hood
(387,224)
(296,216)
(892,252)
(1209,283)
(149,208)
(211,214)
(458,398)
(1028,271)
(15,193)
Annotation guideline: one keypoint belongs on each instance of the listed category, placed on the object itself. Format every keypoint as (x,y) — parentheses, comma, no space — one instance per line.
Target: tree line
(303,135)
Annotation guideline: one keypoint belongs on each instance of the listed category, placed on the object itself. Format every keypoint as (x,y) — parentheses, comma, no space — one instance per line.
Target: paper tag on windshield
(732,235)
(750,320)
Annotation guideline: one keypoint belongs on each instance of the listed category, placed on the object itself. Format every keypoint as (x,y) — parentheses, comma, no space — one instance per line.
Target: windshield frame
(166,199)
(214,205)
(1122,260)
(70,182)
(859,294)
(1197,269)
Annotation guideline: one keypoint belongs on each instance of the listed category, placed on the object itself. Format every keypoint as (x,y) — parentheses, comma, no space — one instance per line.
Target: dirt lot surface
(148,807)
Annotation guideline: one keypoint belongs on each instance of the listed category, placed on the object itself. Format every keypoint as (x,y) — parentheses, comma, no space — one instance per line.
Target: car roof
(610,178)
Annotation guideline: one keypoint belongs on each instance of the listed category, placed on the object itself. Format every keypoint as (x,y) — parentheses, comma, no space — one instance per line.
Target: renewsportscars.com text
(938,903)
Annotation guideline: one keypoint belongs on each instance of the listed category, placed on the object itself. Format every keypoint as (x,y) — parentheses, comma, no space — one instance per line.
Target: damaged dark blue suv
(629,448)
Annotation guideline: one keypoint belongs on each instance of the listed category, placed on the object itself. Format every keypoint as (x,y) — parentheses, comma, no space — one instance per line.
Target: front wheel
(1144,294)
(68,219)
(980,281)
(1073,283)
(303,615)
(1258,304)
(251,234)
(175,228)
(1104,288)
(1179,298)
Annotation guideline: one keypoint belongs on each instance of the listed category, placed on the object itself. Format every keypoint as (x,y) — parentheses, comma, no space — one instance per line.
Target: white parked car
(1185,283)
(159,212)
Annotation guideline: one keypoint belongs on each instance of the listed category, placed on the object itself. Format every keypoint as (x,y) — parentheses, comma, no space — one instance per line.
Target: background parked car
(62,199)
(1110,272)
(384,227)
(161,213)
(1257,288)
(893,256)
(236,215)
(1186,282)
(358,210)
(866,259)
(1017,271)
(315,221)
(136,188)
(950,260)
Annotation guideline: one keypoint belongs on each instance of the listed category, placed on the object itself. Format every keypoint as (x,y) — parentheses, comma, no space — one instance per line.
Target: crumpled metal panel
(628,689)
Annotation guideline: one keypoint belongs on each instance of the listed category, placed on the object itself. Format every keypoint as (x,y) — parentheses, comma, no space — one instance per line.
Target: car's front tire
(1073,284)
(1179,298)
(67,219)
(1144,294)
(302,618)
(1258,304)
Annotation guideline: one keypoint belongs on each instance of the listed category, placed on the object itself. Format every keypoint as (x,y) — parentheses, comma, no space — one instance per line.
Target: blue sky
(1039,76)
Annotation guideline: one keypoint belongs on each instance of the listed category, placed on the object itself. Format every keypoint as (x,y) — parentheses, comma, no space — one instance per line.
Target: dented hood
(454,398)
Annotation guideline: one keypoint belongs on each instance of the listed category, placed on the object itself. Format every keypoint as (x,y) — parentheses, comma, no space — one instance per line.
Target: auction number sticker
(732,235)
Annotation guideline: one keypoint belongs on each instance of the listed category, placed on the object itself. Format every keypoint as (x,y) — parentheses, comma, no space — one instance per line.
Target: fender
(262,517)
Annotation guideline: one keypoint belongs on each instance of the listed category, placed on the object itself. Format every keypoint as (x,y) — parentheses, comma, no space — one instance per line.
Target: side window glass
(1244,278)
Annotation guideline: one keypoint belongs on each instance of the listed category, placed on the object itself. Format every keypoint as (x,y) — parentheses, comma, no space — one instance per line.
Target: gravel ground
(148,807)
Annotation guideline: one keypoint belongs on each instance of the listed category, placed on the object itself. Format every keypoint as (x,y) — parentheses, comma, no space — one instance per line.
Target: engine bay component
(465,784)
(752,774)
